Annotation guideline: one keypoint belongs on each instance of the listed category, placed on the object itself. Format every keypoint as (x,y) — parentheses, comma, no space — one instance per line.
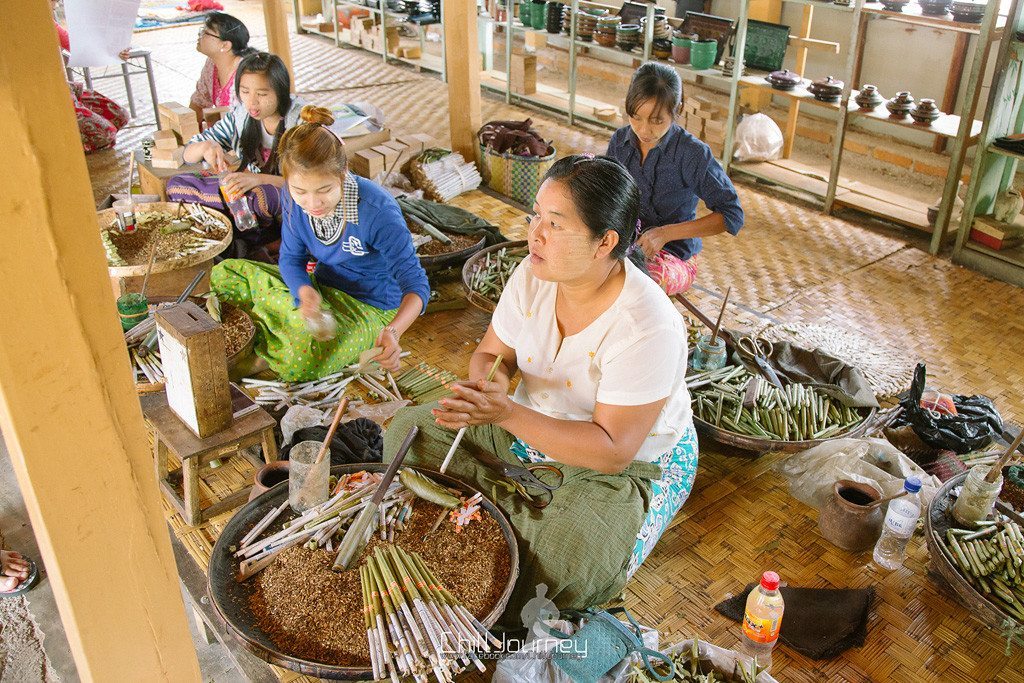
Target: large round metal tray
(760,445)
(230,599)
(939,520)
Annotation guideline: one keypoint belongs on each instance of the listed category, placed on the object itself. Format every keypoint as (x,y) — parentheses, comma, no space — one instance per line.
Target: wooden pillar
(463,75)
(764,10)
(789,135)
(277,34)
(68,410)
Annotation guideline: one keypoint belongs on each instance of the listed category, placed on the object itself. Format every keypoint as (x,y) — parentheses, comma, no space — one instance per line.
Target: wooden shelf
(756,80)
(549,96)
(1014,256)
(884,204)
(947,125)
(823,5)
(912,14)
(1004,152)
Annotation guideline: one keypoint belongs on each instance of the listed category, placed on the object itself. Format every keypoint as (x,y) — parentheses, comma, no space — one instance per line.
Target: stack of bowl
(934,8)
(604,32)
(968,12)
(585,25)
(627,37)
(662,30)
(553,22)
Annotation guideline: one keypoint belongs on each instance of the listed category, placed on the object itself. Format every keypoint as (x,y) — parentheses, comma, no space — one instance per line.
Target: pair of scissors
(758,350)
(535,490)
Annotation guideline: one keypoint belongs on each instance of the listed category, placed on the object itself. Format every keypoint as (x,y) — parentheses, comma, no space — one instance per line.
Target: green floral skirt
(281,335)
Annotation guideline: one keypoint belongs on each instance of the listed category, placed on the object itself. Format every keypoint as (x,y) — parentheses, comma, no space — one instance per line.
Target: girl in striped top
(251,132)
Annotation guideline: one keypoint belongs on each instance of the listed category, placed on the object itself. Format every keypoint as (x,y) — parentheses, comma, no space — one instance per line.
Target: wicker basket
(514,176)
(936,522)
(473,265)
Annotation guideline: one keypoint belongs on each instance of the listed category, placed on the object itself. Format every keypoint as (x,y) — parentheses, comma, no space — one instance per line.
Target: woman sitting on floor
(224,41)
(251,131)
(367,277)
(602,357)
(673,169)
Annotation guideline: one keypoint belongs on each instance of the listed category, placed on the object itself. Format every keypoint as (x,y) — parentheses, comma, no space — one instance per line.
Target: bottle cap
(912,484)
(770,581)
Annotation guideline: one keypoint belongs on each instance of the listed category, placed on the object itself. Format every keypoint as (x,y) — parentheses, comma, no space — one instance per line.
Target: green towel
(452,219)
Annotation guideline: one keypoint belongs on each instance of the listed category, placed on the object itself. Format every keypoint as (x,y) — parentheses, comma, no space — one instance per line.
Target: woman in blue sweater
(367,275)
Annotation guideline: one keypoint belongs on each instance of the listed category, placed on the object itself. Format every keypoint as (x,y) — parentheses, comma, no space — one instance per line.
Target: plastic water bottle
(762,620)
(240,211)
(900,522)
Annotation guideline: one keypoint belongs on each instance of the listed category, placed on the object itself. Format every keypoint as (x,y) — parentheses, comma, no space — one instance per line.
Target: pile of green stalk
(991,559)
(797,413)
(414,625)
(490,278)
(425,383)
(690,669)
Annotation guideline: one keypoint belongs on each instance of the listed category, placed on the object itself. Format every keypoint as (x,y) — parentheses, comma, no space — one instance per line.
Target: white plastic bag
(758,138)
(812,473)
(533,662)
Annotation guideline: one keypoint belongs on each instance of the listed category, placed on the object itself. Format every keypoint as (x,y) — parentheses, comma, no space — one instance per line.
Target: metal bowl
(230,599)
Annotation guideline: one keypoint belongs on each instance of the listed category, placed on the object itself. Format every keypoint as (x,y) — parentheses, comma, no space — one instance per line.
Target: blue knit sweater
(373,261)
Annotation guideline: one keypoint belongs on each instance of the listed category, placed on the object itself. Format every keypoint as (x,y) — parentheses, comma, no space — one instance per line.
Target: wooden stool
(171,435)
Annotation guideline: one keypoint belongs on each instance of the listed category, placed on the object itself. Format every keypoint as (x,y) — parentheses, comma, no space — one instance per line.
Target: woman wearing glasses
(601,355)
(224,40)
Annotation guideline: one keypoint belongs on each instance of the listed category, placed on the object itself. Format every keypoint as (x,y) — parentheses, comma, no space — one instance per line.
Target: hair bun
(313,114)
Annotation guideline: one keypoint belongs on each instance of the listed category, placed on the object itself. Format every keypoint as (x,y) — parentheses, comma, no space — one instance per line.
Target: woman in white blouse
(602,396)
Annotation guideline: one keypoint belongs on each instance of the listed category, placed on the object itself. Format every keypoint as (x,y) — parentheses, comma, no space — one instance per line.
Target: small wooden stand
(171,435)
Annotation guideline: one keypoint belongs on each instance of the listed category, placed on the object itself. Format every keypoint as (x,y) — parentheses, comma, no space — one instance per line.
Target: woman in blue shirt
(367,278)
(673,170)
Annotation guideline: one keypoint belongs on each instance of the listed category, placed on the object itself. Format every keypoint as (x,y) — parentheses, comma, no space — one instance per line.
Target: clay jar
(783,79)
(845,519)
(269,476)
(900,105)
(925,112)
(826,89)
(868,98)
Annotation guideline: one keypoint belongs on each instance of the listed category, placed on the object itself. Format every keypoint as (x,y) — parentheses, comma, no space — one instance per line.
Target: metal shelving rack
(994,169)
(958,128)
(381,10)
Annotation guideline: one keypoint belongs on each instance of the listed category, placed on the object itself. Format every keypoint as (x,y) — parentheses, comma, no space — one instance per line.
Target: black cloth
(451,219)
(829,374)
(819,623)
(356,441)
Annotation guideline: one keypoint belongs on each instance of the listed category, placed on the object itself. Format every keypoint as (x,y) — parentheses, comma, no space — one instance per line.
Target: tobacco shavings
(310,612)
(238,328)
(134,247)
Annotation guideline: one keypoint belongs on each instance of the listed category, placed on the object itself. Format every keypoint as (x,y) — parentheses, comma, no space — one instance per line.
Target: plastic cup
(702,54)
(307,480)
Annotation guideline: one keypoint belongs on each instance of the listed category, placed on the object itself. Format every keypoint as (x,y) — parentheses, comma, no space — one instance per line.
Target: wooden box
(524,74)
(391,156)
(212,115)
(195,367)
(167,158)
(367,163)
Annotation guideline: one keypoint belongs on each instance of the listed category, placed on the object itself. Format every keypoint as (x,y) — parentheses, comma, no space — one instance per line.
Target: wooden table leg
(160,458)
(269,445)
(190,481)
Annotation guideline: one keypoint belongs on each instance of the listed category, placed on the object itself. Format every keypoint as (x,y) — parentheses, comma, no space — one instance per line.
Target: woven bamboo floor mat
(790,265)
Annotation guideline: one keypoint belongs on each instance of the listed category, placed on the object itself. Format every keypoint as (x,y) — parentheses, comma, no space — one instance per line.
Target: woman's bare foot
(13,570)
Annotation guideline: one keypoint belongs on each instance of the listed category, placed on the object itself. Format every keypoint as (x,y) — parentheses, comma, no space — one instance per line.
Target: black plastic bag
(976,423)
(359,440)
